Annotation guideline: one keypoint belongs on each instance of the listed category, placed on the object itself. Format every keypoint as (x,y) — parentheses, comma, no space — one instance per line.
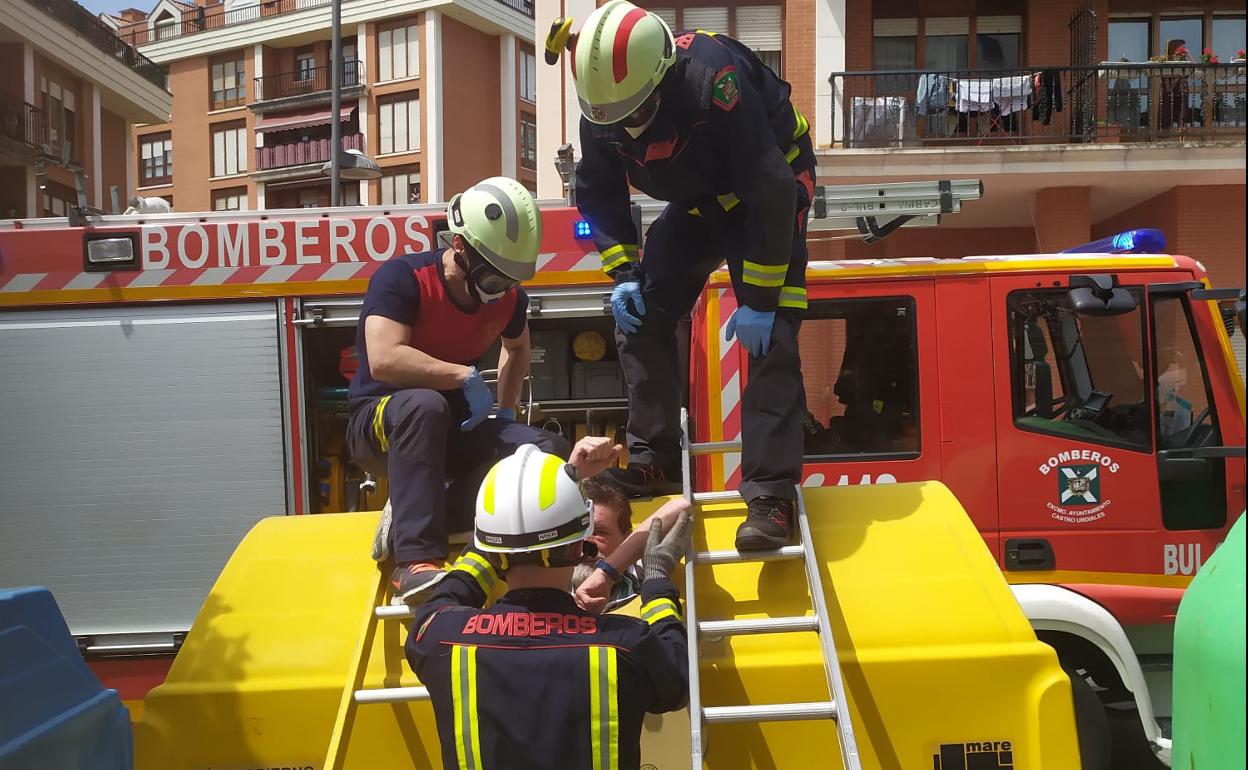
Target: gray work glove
(663,553)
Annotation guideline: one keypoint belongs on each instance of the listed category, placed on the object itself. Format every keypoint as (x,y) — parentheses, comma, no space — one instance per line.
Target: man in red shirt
(418,404)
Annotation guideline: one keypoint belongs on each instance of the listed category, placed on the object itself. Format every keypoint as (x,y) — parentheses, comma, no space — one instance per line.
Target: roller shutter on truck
(139,446)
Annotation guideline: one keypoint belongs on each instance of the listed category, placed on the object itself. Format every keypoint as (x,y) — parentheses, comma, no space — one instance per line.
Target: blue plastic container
(54,713)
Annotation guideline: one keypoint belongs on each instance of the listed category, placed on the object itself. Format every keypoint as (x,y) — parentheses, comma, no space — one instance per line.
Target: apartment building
(70,91)
(1062,107)
(440,94)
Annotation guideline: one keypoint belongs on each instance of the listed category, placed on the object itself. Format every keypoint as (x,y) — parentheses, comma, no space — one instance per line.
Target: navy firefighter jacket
(535,682)
(725,133)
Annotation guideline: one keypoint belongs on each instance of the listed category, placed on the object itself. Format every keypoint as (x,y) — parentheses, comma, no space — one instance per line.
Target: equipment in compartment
(597,379)
(549,365)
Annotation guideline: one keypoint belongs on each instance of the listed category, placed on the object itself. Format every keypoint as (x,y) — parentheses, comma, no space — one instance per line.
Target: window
(305,65)
(58,199)
(309,198)
(761,28)
(1078,375)
(166,26)
(860,366)
(528,76)
(400,185)
(711,19)
(895,47)
(1129,39)
(398,53)
(60,112)
(230,199)
(229,85)
(1185,419)
(350,65)
(229,150)
(156,159)
(400,125)
(1182,30)
(945,44)
(997,40)
(1228,36)
(668,15)
(528,143)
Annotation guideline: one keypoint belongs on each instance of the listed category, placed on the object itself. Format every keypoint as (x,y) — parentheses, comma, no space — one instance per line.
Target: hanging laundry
(932,95)
(974,96)
(1011,94)
(1048,96)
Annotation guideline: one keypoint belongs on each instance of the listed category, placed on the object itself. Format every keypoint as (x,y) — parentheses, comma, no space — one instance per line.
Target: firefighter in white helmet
(696,119)
(535,681)
(418,403)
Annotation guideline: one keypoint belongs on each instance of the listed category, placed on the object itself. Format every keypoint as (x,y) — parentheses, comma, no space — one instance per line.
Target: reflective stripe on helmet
(488,490)
(552,466)
(604,719)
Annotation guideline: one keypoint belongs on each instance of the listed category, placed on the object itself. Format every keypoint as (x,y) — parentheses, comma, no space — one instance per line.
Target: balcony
(286,156)
(24,124)
(1111,103)
(202,19)
(102,37)
(306,86)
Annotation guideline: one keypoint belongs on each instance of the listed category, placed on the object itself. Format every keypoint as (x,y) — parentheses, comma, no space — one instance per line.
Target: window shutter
(413,124)
(760,27)
(668,15)
(947,25)
(399,46)
(710,19)
(386,118)
(896,27)
(384,60)
(413,52)
(218,153)
(400,126)
(998,24)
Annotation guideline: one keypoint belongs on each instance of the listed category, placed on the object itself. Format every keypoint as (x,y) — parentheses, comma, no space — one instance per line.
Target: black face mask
(644,113)
(487,283)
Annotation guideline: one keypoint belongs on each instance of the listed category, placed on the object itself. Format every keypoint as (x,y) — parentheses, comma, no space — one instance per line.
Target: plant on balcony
(1239,55)
(1208,56)
(1181,54)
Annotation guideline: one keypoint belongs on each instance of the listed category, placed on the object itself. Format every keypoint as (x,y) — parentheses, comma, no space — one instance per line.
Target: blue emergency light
(580,229)
(1145,241)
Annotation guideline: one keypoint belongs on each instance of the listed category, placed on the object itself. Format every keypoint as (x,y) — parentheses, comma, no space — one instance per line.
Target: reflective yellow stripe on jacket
(793,296)
(758,274)
(379,426)
(604,720)
(464,696)
(618,255)
(656,609)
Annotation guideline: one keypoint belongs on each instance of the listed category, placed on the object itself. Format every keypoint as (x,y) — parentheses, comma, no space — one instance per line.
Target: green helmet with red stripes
(619,59)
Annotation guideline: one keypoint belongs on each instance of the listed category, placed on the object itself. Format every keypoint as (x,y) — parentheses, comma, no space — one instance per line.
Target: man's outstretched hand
(664,552)
(593,455)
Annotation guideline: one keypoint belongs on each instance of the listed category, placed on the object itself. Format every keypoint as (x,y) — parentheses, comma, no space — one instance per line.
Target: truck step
(713,447)
(393,611)
(776,712)
(758,626)
(392,695)
(743,557)
(716,497)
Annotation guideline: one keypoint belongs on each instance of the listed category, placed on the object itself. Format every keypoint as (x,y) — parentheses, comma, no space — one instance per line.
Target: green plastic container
(1209,663)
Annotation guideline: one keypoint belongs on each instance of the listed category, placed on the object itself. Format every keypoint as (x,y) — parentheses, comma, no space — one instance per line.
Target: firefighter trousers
(681,252)
(435,469)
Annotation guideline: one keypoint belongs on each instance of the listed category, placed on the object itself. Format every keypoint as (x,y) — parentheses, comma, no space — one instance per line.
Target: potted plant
(1209,57)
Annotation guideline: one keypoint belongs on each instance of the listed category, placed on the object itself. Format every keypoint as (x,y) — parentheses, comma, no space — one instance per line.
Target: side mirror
(1226,294)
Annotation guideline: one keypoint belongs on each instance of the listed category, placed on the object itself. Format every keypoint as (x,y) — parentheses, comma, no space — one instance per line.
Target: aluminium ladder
(835,709)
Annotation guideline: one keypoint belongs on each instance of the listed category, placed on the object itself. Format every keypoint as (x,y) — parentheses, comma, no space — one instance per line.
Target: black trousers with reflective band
(434,468)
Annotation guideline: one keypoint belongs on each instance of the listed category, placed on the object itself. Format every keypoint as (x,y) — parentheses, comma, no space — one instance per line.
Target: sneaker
(414,578)
(639,480)
(766,526)
(381,538)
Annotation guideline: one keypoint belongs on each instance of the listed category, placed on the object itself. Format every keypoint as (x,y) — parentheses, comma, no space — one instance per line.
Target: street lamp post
(335,105)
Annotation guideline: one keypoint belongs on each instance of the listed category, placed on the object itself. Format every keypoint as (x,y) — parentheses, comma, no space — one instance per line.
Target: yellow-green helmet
(620,56)
(500,219)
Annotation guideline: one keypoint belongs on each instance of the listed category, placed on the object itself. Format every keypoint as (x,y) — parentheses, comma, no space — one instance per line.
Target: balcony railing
(307,81)
(201,19)
(102,37)
(1111,102)
(22,122)
(302,153)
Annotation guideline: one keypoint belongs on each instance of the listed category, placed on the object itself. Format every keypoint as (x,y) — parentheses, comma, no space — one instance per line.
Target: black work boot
(767,525)
(638,480)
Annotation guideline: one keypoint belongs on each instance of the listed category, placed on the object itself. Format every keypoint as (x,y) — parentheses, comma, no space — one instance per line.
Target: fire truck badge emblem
(1079,484)
(597,113)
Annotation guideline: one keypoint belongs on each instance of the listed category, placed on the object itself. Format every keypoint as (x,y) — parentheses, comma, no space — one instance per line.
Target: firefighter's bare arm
(513,367)
(393,361)
(662,654)
(593,455)
(595,591)
(602,198)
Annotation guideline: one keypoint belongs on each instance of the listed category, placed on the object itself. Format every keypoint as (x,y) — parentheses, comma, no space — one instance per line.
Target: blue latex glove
(506,414)
(620,295)
(753,328)
(480,399)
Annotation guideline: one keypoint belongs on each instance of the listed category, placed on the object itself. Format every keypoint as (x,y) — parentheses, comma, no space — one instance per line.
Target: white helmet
(619,58)
(528,502)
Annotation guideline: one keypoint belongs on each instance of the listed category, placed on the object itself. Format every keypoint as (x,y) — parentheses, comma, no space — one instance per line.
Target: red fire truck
(171,379)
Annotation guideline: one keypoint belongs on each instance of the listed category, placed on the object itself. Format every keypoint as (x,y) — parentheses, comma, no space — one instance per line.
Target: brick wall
(799,53)
(471,106)
(1062,217)
(941,243)
(113,136)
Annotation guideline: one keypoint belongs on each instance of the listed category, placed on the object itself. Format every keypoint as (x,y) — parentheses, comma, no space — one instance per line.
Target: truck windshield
(1078,375)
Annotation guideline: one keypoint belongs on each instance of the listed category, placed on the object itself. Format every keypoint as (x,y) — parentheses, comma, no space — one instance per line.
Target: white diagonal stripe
(278,274)
(214,276)
(342,271)
(86,281)
(590,261)
(24,281)
(150,278)
(730,396)
(544,259)
(732,461)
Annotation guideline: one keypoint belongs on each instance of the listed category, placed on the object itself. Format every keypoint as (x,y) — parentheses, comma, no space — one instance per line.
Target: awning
(301,119)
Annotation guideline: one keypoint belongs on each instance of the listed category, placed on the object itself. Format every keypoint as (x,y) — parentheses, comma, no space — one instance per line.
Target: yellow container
(939,662)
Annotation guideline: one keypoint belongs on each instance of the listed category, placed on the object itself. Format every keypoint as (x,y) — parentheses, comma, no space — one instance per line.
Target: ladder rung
(717,497)
(778,712)
(759,626)
(714,447)
(743,557)
(392,695)
(393,611)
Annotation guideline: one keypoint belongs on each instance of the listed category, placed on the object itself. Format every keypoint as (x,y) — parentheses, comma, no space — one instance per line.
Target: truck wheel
(1091,723)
